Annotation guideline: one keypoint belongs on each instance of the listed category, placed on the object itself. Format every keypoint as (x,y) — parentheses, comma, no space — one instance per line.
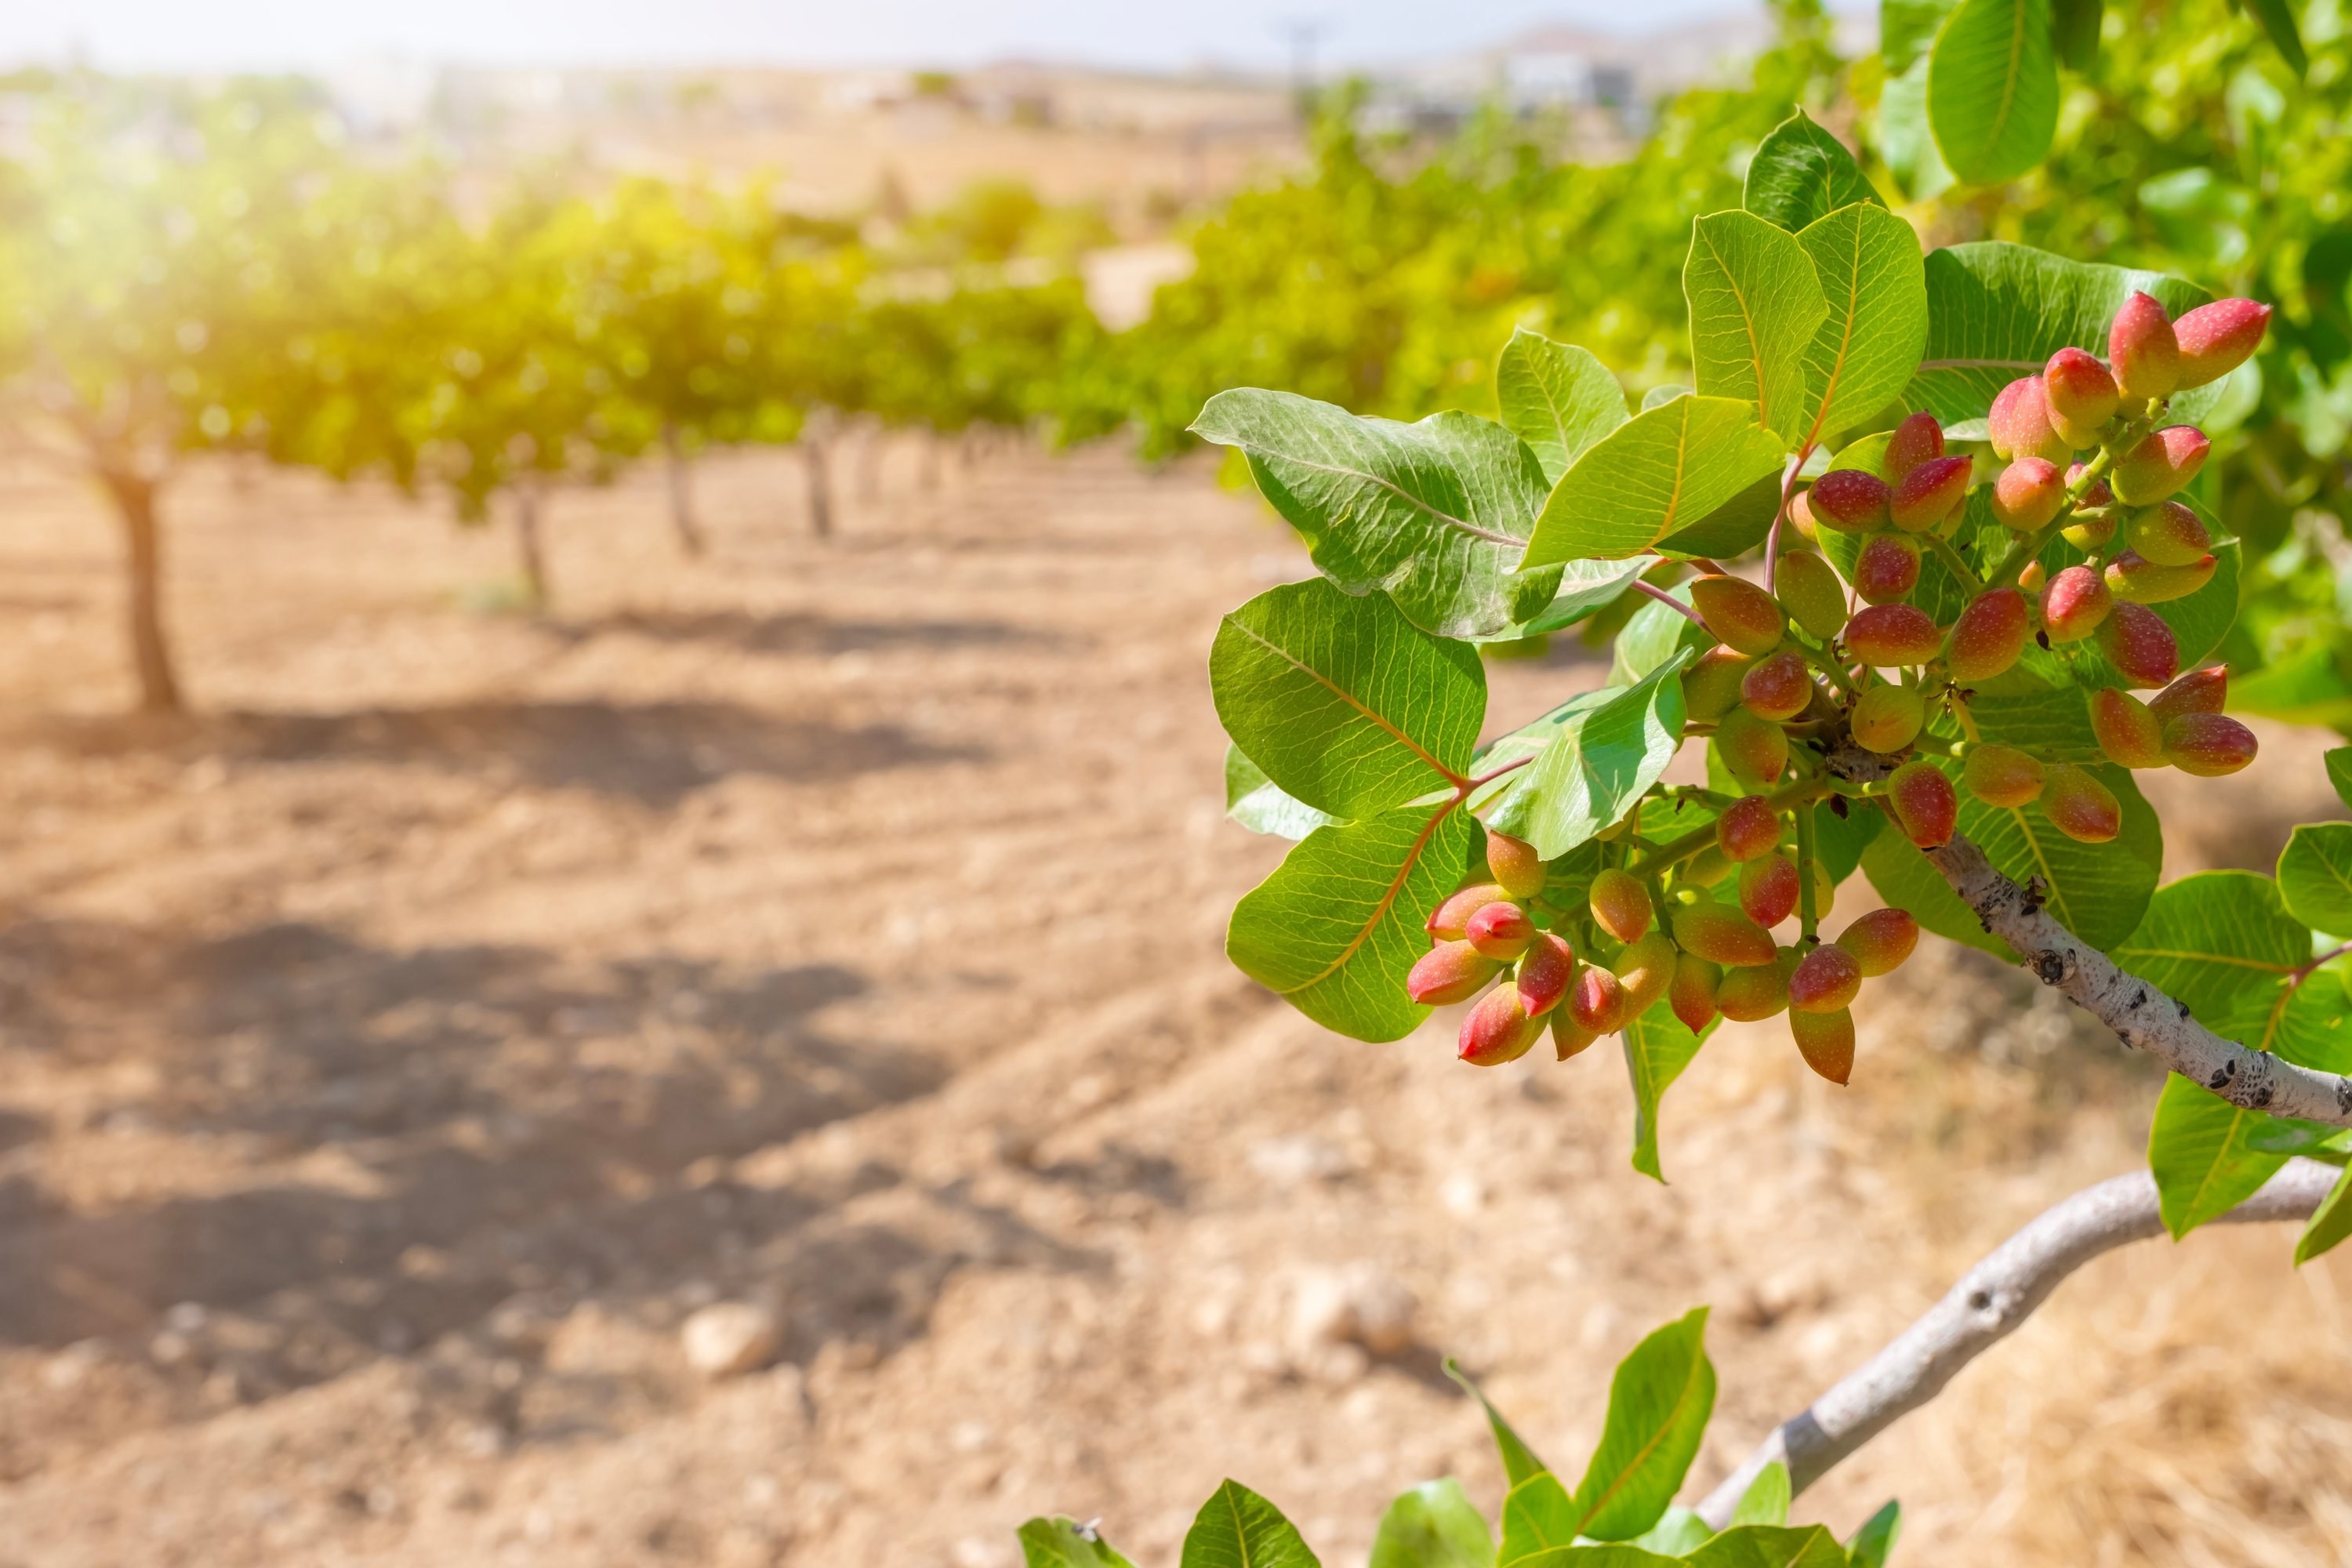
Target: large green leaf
(1997,311)
(1238,1528)
(1520,1461)
(2277,17)
(1767,1498)
(1659,1401)
(2220,942)
(1434,1525)
(1905,138)
(1679,1530)
(2331,1223)
(1755,305)
(2315,876)
(1581,587)
(1992,89)
(1663,470)
(1802,172)
(1060,1542)
(1435,512)
(2201,1154)
(1538,1516)
(1598,764)
(1868,348)
(2074,32)
(1657,1048)
(1770,1546)
(1557,398)
(2339,762)
(1341,702)
(1654,633)
(1839,841)
(1735,528)
(1618,1556)
(1257,803)
(2308,688)
(1337,925)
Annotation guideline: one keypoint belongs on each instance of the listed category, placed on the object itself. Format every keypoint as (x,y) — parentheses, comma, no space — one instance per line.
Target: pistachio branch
(1987,1303)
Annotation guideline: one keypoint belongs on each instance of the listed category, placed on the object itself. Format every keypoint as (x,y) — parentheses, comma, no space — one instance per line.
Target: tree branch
(2138,1013)
(1990,1302)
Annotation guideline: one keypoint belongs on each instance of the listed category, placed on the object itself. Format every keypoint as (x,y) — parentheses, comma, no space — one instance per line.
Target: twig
(1671,603)
(1990,1302)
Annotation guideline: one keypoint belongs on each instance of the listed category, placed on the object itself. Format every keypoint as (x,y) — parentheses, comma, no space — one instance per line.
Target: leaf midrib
(1754,348)
(1387,901)
(1447,518)
(1349,698)
(1643,1455)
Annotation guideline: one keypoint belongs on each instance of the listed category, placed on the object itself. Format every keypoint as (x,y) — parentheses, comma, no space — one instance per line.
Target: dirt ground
(394,1055)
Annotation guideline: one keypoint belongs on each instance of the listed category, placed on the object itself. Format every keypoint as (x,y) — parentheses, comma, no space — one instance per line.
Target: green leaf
(1908,879)
(1258,804)
(1755,305)
(1663,394)
(1992,89)
(1520,1461)
(1538,1516)
(2330,1223)
(2074,32)
(1839,841)
(1657,1048)
(2339,773)
(1661,471)
(2315,876)
(1238,1528)
(2219,942)
(2308,688)
(1338,926)
(1584,586)
(1905,138)
(1875,1540)
(1802,172)
(1770,1546)
(1997,311)
(2277,17)
(2199,1152)
(1653,635)
(1601,762)
(1596,1557)
(1908,29)
(1341,702)
(1678,1530)
(1659,1401)
(1433,1526)
(1435,513)
(1871,272)
(1767,1498)
(1557,398)
(1060,1542)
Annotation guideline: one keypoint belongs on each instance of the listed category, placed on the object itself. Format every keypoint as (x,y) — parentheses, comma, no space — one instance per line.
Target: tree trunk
(681,493)
(534,547)
(932,441)
(820,485)
(150,654)
(869,464)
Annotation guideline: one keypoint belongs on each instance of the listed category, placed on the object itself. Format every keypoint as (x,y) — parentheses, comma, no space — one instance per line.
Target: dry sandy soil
(394,1054)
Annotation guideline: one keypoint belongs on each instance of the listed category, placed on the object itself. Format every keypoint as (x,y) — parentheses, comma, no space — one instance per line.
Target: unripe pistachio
(1544,971)
(1450,922)
(1620,904)
(1887,636)
(1925,806)
(1768,889)
(1800,518)
(1598,1001)
(1516,864)
(2028,494)
(1929,493)
(1914,441)
(1849,500)
(1826,1042)
(2139,644)
(2209,745)
(2002,775)
(1988,636)
(1738,613)
(1755,750)
(2199,691)
(1777,686)
(1888,569)
(1826,980)
(1497,1030)
(2167,533)
(2142,351)
(2073,604)
(1886,719)
(1880,941)
(2020,422)
(2161,463)
(1748,828)
(2127,732)
(1706,868)
(2089,530)
(2082,394)
(1645,969)
(2080,807)
(2032,577)
(2216,339)
(2132,577)
(1810,590)
(1722,935)
(1501,930)
(1692,995)
(2097,495)
(1751,994)
(1711,685)
(1450,971)
(1567,1037)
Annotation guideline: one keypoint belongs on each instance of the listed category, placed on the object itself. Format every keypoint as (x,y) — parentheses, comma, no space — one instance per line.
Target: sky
(231,35)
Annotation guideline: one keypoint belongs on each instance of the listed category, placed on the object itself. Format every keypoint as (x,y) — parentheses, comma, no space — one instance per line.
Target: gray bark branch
(1990,1302)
